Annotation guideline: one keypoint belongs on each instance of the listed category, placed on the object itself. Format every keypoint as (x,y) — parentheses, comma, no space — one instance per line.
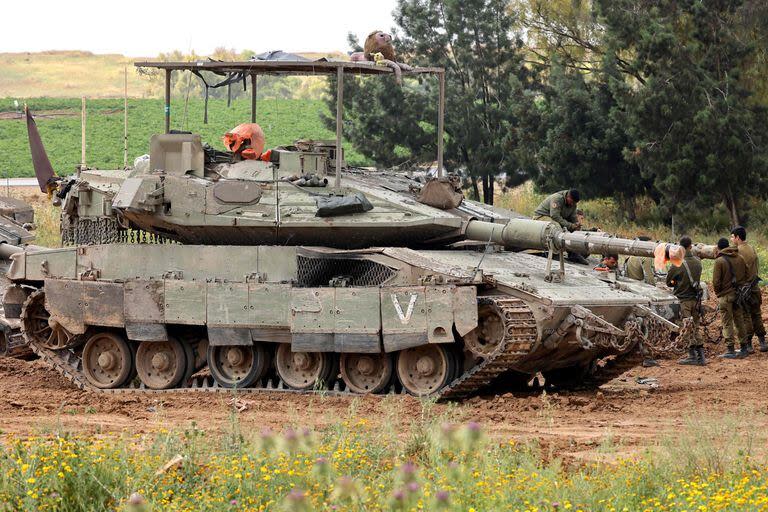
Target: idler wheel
(237,366)
(107,360)
(366,373)
(483,340)
(161,364)
(40,328)
(426,369)
(304,370)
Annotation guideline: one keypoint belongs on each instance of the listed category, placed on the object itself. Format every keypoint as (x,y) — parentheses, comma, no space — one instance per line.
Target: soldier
(685,282)
(561,208)
(753,320)
(638,268)
(610,263)
(729,274)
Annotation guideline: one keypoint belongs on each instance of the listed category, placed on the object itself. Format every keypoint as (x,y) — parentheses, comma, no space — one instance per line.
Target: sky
(149,27)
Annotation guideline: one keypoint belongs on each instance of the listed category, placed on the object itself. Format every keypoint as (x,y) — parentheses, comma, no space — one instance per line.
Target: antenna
(82,136)
(485,251)
(125,120)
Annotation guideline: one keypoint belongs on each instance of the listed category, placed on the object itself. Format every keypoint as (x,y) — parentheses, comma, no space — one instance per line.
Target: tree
(697,133)
(585,137)
(486,80)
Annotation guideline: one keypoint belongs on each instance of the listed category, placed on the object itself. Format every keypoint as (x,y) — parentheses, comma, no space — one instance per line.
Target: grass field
(70,74)
(351,466)
(73,74)
(283,122)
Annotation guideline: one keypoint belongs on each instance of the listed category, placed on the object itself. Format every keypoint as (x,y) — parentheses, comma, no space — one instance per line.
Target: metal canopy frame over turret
(306,68)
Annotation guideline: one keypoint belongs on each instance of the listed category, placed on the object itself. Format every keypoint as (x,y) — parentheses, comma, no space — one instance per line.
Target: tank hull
(445,322)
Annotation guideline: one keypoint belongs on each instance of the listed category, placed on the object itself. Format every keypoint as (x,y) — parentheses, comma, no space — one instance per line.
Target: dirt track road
(34,399)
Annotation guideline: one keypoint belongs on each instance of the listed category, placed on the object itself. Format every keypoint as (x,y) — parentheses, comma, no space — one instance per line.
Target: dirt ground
(631,415)
(628,414)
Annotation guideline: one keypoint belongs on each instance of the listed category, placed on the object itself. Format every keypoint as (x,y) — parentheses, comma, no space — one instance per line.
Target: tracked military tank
(16,224)
(291,271)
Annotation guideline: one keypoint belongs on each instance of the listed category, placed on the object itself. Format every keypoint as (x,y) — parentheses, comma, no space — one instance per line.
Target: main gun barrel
(538,234)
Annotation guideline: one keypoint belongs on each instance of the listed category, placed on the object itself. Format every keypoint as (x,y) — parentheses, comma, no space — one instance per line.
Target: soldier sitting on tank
(639,268)
(728,276)
(610,263)
(685,283)
(561,208)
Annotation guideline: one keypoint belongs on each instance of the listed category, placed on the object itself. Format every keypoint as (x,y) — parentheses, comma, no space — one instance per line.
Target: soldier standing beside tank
(639,268)
(561,208)
(684,280)
(729,274)
(753,320)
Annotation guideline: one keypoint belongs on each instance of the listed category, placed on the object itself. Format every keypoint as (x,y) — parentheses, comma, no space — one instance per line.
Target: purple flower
(233,502)
(413,487)
(398,495)
(290,435)
(442,496)
(296,495)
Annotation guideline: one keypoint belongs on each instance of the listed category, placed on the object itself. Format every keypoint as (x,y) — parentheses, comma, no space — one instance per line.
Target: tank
(205,270)
(16,223)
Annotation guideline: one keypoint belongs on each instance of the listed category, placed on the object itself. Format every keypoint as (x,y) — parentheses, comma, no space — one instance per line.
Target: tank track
(12,342)
(520,335)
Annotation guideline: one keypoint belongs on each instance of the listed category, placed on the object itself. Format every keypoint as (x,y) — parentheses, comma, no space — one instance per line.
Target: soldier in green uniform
(639,268)
(729,273)
(561,208)
(685,283)
(753,319)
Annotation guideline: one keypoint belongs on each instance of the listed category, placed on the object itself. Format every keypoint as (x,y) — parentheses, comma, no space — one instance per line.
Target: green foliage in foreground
(355,466)
(283,122)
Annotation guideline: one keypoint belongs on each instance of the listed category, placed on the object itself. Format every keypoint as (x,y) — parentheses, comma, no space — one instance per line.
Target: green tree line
(625,99)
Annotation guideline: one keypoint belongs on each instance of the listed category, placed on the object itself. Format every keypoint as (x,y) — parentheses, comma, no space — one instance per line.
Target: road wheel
(236,365)
(305,370)
(426,369)
(367,373)
(107,360)
(161,364)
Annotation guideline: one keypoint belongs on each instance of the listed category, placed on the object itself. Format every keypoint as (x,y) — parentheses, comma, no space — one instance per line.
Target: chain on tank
(104,230)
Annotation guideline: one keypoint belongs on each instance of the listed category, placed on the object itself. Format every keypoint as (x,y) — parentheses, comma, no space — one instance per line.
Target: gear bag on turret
(330,206)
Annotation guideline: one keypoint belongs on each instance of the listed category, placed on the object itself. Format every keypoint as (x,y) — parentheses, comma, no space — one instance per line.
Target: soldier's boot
(750,346)
(730,352)
(744,349)
(700,355)
(692,359)
(763,344)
